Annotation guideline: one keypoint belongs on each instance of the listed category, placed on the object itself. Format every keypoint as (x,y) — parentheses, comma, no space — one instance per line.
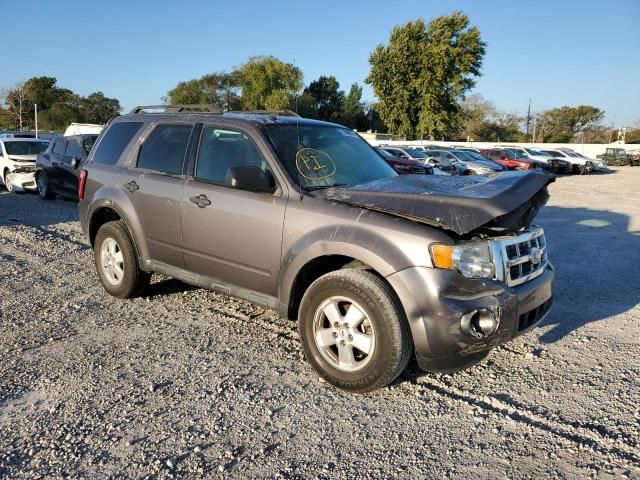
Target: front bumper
(23,181)
(435,301)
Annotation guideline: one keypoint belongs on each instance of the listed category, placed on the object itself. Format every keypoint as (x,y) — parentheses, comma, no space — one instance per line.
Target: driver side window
(222,149)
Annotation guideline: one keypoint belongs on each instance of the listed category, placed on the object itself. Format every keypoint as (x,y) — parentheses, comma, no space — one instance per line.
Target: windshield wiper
(311,188)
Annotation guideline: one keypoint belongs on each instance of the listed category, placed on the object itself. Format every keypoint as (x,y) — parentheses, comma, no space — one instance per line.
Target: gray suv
(305,217)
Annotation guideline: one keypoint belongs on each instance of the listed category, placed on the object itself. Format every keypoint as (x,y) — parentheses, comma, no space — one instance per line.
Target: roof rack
(194,108)
(282,113)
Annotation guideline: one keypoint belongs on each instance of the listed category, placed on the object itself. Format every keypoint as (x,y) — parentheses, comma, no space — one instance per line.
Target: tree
(221,89)
(17,102)
(424,72)
(352,113)
(96,108)
(562,125)
(327,97)
(484,122)
(269,83)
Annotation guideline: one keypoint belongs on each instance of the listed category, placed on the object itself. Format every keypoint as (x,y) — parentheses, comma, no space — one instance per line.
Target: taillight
(81,183)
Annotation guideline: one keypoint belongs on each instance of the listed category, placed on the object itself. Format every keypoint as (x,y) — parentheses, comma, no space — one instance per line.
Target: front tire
(353,330)
(7,184)
(42,182)
(116,262)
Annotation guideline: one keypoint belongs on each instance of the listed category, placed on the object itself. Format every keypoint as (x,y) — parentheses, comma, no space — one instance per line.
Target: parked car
(580,165)
(597,164)
(553,164)
(419,154)
(372,265)
(464,148)
(474,166)
(634,157)
(57,169)
(17,135)
(18,161)
(83,129)
(405,166)
(510,159)
(615,156)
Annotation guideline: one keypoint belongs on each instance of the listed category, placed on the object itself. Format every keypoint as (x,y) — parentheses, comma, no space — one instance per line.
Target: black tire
(133,280)
(42,182)
(384,314)
(7,185)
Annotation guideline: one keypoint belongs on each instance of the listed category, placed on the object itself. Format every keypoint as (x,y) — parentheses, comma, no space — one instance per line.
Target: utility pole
(35,106)
(535,123)
(528,116)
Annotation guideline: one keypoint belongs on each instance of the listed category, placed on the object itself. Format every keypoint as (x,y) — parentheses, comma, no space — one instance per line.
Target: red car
(404,166)
(510,159)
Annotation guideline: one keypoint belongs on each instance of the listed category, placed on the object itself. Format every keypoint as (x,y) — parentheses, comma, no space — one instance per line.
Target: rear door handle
(132,186)
(201,200)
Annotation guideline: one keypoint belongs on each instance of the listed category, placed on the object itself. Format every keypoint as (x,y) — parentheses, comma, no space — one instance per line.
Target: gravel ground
(187,383)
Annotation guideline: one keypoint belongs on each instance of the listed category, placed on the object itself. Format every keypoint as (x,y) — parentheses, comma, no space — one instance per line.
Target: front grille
(524,256)
(419,170)
(533,316)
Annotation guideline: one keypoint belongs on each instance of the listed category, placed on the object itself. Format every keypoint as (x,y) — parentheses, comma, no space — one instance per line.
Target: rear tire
(353,330)
(42,182)
(117,263)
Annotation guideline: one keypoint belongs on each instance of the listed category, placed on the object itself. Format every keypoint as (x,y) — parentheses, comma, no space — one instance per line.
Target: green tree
(269,83)
(563,124)
(423,73)
(352,113)
(484,122)
(328,99)
(96,108)
(221,89)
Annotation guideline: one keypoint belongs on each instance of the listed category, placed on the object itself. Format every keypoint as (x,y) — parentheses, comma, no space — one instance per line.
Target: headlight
(472,259)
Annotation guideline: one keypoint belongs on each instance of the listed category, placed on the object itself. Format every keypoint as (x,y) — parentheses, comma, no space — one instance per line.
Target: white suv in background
(18,161)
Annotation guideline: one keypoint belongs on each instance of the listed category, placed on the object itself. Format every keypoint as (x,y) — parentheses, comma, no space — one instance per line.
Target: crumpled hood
(461,204)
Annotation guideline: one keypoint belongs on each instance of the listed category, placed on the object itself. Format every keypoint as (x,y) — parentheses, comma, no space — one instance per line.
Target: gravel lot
(186,383)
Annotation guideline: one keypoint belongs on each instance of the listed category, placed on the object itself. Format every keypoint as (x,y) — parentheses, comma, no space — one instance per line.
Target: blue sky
(558,53)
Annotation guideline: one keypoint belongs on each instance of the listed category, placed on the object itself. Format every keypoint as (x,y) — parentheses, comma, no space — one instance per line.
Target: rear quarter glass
(115,141)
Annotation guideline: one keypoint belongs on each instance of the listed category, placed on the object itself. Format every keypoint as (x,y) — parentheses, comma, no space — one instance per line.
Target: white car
(580,164)
(597,163)
(18,162)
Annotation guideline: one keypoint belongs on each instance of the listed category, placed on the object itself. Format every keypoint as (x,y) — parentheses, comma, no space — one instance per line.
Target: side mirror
(250,178)
(75,162)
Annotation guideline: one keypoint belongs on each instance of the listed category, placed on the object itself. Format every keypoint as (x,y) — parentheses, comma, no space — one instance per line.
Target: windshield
(537,152)
(384,153)
(25,148)
(520,152)
(418,154)
(88,142)
(319,156)
(464,156)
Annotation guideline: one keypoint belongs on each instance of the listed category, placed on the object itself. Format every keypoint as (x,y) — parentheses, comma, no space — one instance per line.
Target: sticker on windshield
(314,164)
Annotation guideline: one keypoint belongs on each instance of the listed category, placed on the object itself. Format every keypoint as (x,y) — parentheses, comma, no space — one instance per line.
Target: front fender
(385,243)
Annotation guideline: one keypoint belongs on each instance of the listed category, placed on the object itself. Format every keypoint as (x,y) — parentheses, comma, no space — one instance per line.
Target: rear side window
(73,149)
(165,148)
(59,146)
(115,140)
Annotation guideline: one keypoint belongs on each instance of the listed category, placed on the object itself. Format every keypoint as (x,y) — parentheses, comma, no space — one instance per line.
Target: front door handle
(201,200)
(132,186)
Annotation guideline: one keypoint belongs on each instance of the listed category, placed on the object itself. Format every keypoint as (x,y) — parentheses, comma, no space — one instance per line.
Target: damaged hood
(461,204)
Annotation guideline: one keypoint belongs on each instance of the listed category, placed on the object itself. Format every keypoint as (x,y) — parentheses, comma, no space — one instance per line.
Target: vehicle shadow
(596,258)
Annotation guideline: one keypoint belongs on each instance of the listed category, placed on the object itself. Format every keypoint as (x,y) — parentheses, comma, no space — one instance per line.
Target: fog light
(479,323)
